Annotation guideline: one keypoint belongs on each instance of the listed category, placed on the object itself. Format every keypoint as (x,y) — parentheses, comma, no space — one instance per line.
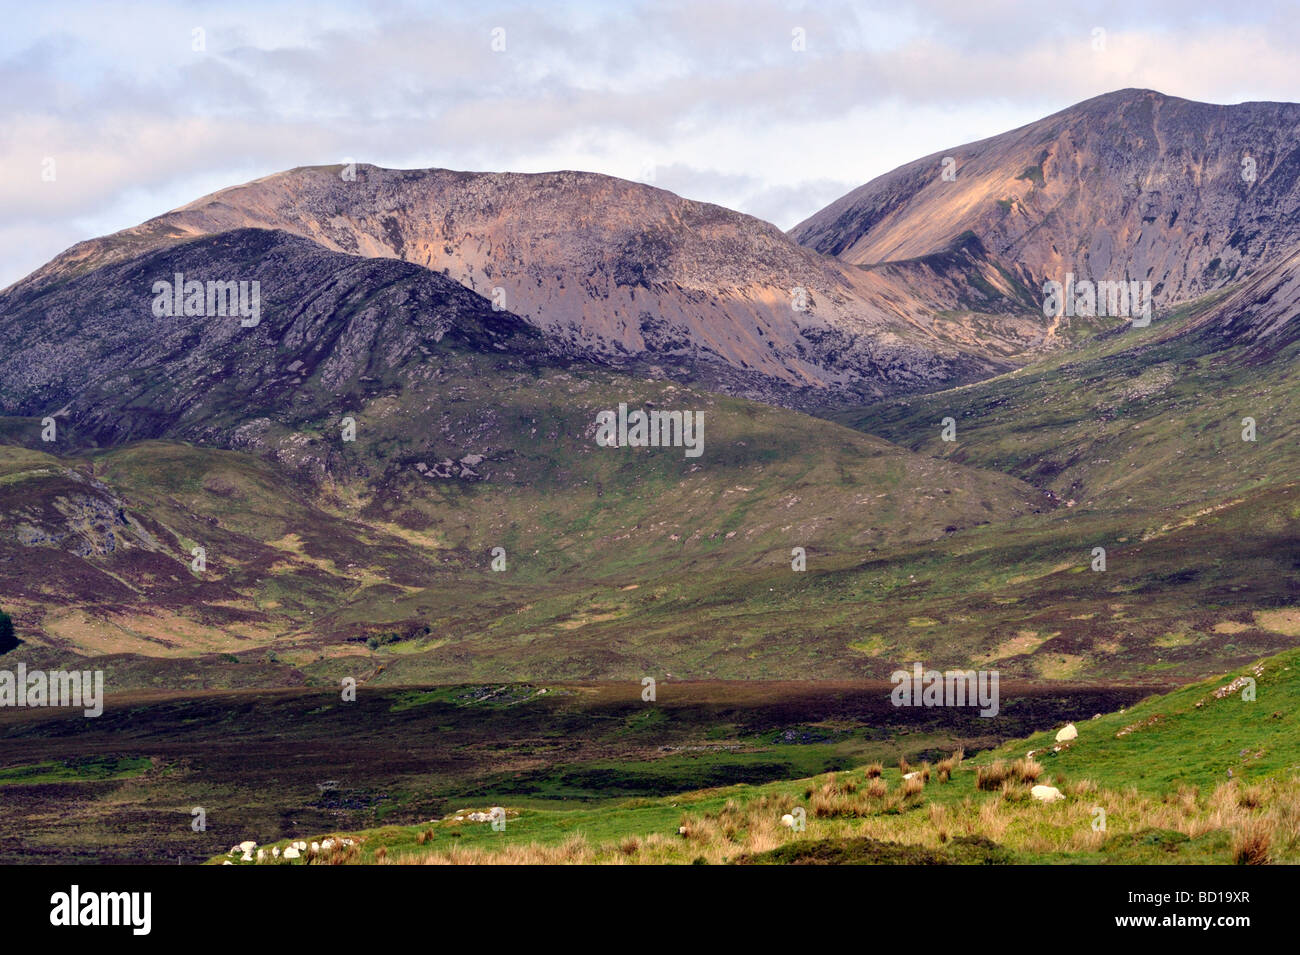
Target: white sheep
(292,852)
(1046,793)
(788,821)
(1067,733)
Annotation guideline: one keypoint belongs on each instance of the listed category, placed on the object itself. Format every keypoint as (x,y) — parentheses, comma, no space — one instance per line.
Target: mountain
(333,332)
(475,430)
(350,460)
(626,273)
(1130,185)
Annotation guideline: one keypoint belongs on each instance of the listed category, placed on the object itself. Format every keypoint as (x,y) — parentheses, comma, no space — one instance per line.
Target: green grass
(74,770)
(1163,760)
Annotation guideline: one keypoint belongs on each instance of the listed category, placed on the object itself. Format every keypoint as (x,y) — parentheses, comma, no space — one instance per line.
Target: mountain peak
(1132,184)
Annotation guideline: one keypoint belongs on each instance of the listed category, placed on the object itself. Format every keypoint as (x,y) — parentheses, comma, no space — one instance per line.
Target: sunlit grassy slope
(1198,775)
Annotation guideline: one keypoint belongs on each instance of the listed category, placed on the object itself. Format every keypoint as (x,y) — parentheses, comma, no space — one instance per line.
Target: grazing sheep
(227,862)
(246,857)
(292,852)
(248,846)
(1046,793)
(315,847)
(276,852)
(300,846)
(1068,733)
(681,830)
(261,854)
(788,821)
(327,845)
(910,775)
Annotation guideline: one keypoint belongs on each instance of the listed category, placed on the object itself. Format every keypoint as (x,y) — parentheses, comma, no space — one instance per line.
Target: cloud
(716,95)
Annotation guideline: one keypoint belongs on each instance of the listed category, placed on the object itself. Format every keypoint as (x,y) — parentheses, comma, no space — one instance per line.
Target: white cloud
(710,93)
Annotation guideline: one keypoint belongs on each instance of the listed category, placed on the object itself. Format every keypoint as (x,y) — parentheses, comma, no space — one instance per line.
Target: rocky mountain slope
(1133,184)
(333,332)
(624,272)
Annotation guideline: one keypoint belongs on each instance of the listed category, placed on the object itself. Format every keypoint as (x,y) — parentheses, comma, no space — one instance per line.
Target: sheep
(327,845)
(292,852)
(1068,733)
(788,821)
(315,847)
(276,852)
(1046,793)
(261,854)
(248,846)
(246,857)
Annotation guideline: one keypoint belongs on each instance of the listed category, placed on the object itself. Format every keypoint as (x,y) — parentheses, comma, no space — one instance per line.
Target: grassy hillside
(1133,420)
(1195,776)
(284,763)
(623,562)
(310,570)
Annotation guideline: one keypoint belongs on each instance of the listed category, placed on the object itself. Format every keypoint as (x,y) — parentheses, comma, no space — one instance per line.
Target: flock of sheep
(294,850)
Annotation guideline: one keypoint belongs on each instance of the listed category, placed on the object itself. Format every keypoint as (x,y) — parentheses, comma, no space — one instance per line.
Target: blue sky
(713,100)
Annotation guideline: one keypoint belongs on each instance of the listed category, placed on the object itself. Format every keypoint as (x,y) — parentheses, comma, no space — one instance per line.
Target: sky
(111,113)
